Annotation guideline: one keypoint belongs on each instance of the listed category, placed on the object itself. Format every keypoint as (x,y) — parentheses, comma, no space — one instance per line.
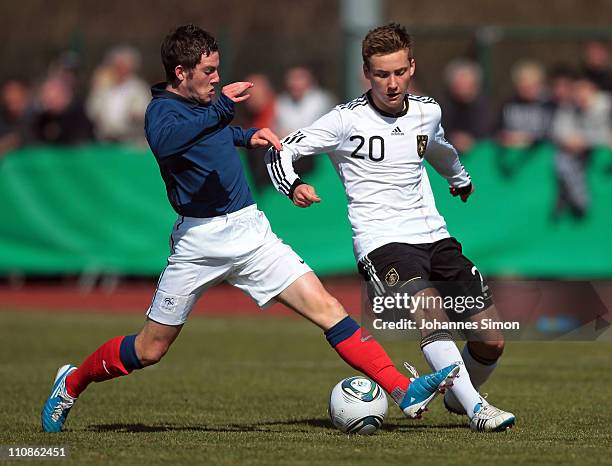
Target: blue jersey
(195,149)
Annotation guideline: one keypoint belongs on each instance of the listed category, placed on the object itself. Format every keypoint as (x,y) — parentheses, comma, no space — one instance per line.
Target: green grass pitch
(254,391)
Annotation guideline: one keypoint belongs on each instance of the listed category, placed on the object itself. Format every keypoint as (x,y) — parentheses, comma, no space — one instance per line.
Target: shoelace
(410,368)
(65,403)
(490,411)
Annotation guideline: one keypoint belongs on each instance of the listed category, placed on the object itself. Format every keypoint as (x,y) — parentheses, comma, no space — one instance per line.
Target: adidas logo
(397,132)
(294,138)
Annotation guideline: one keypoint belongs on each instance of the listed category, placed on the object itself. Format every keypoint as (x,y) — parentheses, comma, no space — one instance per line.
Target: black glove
(464,192)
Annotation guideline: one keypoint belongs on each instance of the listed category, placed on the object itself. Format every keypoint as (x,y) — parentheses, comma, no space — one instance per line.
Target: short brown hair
(185,46)
(384,40)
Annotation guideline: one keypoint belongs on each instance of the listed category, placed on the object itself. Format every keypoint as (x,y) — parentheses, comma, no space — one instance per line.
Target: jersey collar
(159,91)
(387,114)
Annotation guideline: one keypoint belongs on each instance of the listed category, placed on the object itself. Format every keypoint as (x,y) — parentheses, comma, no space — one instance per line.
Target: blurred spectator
(119,98)
(261,113)
(414,86)
(66,67)
(576,130)
(16,116)
(525,118)
(261,106)
(596,64)
(561,79)
(365,85)
(301,104)
(465,117)
(61,118)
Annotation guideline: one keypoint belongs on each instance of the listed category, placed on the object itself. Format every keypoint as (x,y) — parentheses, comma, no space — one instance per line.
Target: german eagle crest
(421,144)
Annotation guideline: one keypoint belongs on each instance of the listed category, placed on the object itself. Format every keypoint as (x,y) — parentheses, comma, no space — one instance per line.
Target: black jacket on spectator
(601,77)
(21,127)
(66,128)
(470,117)
(532,117)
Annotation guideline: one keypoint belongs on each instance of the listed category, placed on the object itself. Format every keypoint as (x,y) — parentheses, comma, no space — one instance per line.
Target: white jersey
(379,158)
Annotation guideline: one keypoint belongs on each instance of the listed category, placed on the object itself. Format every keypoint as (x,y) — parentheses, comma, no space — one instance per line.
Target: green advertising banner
(103,209)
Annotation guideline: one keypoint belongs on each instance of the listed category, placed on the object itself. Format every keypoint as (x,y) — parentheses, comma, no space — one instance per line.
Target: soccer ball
(357,405)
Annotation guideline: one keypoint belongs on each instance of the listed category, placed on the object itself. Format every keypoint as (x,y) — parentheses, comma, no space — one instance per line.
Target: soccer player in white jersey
(378,144)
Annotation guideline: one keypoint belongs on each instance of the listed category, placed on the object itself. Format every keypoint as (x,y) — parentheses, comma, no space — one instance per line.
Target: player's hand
(265,137)
(236,91)
(463,192)
(304,196)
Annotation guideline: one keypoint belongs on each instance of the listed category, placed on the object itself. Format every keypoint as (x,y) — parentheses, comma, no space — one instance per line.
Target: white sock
(442,353)
(479,372)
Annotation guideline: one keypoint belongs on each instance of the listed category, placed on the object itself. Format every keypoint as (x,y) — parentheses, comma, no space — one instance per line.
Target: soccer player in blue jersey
(221,236)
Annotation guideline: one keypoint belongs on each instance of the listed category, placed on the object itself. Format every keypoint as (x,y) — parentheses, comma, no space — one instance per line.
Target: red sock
(366,355)
(103,364)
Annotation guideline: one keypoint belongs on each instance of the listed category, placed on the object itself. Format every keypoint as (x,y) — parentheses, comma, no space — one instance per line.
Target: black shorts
(401,267)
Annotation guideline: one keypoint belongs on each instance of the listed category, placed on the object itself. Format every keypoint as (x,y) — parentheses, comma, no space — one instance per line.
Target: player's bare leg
(153,341)
(487,343)
(117,357)
(308,297)
(484,348)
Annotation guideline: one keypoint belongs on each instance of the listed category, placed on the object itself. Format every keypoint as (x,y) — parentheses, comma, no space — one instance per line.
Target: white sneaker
(488,418)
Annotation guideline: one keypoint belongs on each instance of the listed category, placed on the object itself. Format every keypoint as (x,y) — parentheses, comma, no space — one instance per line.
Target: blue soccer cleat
(422,390)
(58,405)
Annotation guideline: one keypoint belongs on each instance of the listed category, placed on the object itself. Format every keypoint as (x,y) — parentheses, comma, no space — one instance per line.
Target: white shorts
(239,248)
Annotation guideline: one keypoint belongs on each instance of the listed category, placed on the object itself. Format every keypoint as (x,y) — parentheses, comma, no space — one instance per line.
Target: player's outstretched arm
(286,181)
(280,168)
(255,137)
(324,135)
(236,91)
(265,137)
(168,134)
